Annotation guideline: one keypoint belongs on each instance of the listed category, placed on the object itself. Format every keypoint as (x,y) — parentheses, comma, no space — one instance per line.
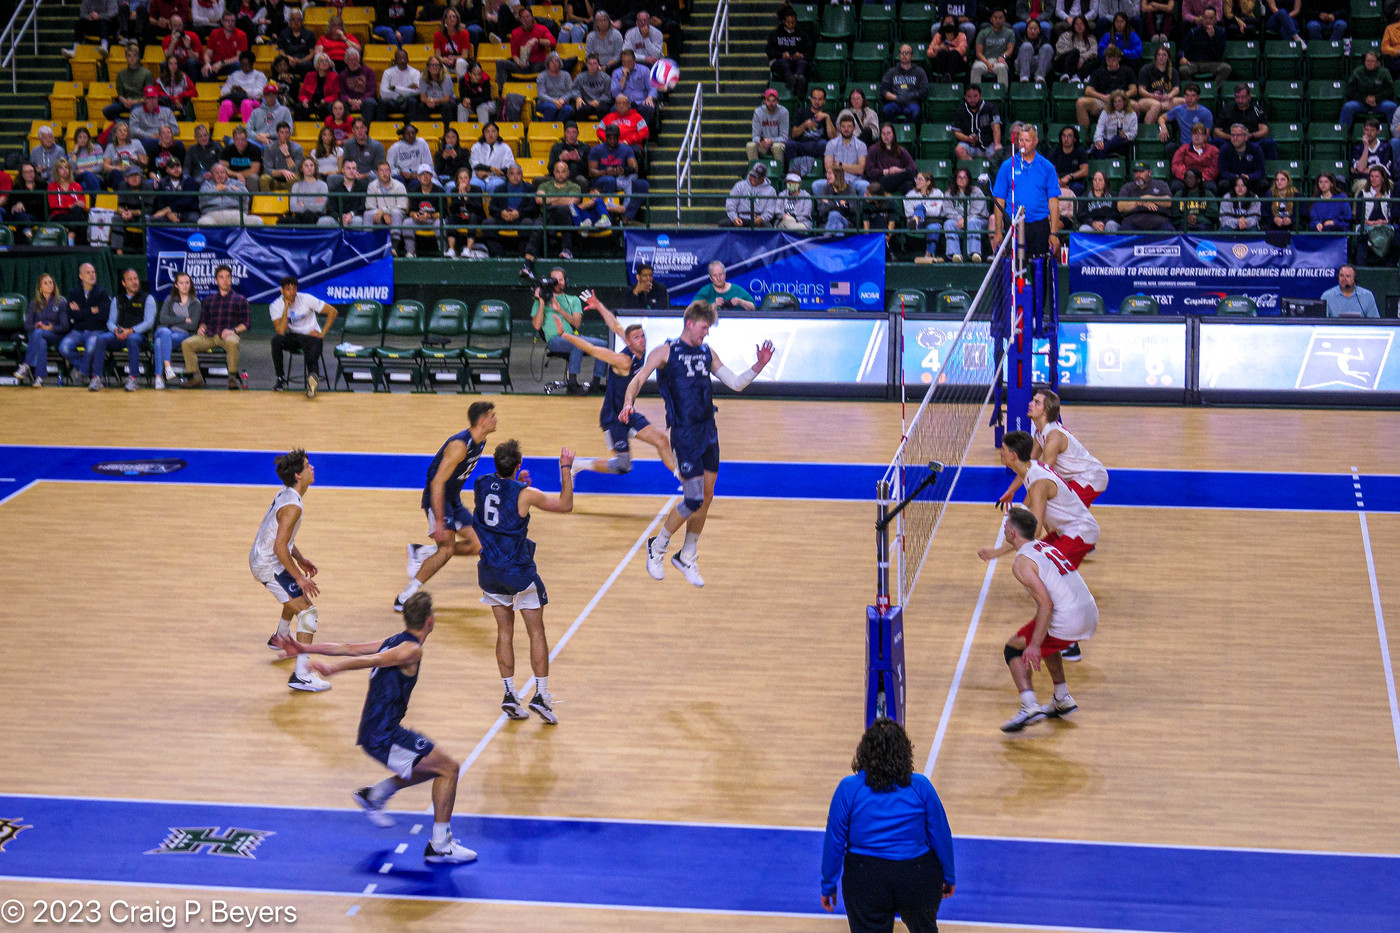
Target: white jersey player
(1061,451)
(1065,613)
(1069,526)
(277,564)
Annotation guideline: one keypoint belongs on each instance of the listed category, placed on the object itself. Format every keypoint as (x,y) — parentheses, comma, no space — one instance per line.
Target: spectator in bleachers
(309,197)
(530,44)
(514,204)
(359,87)
(451,157)
(1131,10)
(328,154)
(846,156)
(1370,89)
(812,127)
(903,88)
(644,40)
(88,305)
(1368,151)
(604,41)
(200,157)
(393,21)
(572,152)
(1243,19)
(1203,53)
(612,166)
(224,49)
(86,158)
(554,90)
(335,42)
(242,90)
(1332,213)
(793,210)
(386,202)
(592,91)
(1158,19)
(992,50)
(319,89)
(770,129)
(1283,16)
(631,125)
(1032,11)
(752,200)
(425,203)
(121,154)
(495,22)
(146,121)
(1390,45)
(158,19)
(45,323)
(1159,86)
(133,206)
(889,165)
(1067,10)
(243,159)
(1282,213)
(453,44)
(365,152)
(1243,157)
(1185,116)
(339,122)
(1097,210)
(949,58)
(274,19)
(130,83)
(790,52)
(477,97)
(578,17)
(837,206)
(557,200)
(1240,209)
(176,321)
(923,210)
(719,293)
(163,150)
(98,20)
(867,117)
(1191,11)
(184,46)
(346,195)
(1076,51)
(298,43)
(977,127)
(963,14)
(634,81)
(262,123)
(1035,53)
(1347,299)
(1071,161)
(177,196)
(223,319)
(398,87)
(408,153)
(1111,77)
(28,202)
(281,165)
(223,199)
(131,318)
(68,202)
(206,16)
(1144,203)
(1244,110)
(1122,37)
(1198,155)
(465,213)
(175,88)
(1195,203)
(488,150)
(44,155)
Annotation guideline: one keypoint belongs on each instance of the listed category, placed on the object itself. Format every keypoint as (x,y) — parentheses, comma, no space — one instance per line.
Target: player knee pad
(1012,653)
(306,621)
(622,463)
(693,490)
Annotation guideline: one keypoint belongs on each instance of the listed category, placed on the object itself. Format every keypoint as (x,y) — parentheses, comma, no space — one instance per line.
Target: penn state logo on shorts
(420,744)
(685,467)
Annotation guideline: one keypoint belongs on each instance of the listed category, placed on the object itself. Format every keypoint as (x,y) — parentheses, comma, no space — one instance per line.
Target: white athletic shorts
(528,598)
(283,587)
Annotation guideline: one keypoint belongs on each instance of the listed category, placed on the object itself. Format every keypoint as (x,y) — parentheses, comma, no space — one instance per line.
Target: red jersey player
(1061,451)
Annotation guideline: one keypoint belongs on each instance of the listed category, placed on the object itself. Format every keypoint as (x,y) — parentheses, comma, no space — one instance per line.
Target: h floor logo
(236,843)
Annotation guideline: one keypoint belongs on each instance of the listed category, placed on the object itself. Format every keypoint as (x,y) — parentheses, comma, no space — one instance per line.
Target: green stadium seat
(869,60)
(1063,96)
(406,321)
(833,61)
(952,301)
(943,103)
(1290,138)
(1085,303)
(1236,306)
(936,141)
(1210,94)
(363,320)
(448,320)
(490,320)
(1287,100)
(1359,48)
(877,22)
(1293,167)
(1327,60)
(909,300)
(1115,170)
(1327,141)
(838,23)
(1283,61)
(12,336)
(940,169)
(1317,166)
(1139,305)
(1367,19)
(1243,58)
(1325,99)
(1149,149)
(907,135)
(916,23)
(976,168)
(871,90)
(1028,103)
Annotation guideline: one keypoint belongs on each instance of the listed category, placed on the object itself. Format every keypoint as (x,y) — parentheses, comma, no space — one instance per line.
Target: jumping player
(394,665)
(278,565)
(623,365)
(449,521)
(506,569)
(1065,613)
(1060,451)
(683,369)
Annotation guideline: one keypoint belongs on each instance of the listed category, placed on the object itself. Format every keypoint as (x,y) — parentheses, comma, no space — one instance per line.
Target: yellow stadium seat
(378,57)
(263,56)
(489,52)
(534,169)
(107,201)
(528,90)
(568,50)
(269,205)
(548,11)
(85,63)
(186,134)
(222,132)
(418,55)
(99,95)
(63,100)
(153,58)
(385,131)
(316,17)
(359,20)
(544,133)
(206,104)
(72,128)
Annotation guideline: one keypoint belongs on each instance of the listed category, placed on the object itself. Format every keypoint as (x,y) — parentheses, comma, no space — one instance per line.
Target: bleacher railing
(719,36)
(13,35)
(690,148)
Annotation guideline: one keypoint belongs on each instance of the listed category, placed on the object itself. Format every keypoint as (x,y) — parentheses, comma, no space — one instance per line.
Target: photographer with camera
(550,297)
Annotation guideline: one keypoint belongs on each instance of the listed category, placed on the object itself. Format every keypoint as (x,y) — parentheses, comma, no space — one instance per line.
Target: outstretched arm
(608,317)
(741,381)
(611,357)
(564,502)
(656,359)
(365,654)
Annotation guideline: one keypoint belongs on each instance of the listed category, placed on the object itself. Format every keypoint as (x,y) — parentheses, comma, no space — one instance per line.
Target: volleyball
(665,74)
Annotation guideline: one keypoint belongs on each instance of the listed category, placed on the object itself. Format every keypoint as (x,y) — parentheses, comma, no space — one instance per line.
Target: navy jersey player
(623,365)
(506,569)
(394,665)
(277,564)
(683,369)
(449,521)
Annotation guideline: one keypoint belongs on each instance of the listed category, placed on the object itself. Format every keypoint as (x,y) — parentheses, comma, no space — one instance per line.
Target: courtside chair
(910,299)
(12,342)
(447,323)
(1085,303)
(1143,305)
(406,322)
(780,301)
(490,321)
(363,320)
(1236,306)
(952,301)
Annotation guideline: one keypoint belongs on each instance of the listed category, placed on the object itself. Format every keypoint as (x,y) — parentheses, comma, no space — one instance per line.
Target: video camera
(544,286)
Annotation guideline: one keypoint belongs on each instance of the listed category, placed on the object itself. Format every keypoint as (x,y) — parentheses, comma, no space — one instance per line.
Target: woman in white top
(328,153)
(866,117)
(242,89)
(1117,126)
(924,210)
(309,195)
(489,150)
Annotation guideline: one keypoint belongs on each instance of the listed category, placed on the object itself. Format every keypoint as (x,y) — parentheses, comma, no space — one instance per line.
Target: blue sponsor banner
(1190,274)
(331,264)
(822,271)
(1308,357)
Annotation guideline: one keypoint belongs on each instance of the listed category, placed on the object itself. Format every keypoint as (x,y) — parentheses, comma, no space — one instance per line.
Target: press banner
(1190,274)
(332,264)
(821,271)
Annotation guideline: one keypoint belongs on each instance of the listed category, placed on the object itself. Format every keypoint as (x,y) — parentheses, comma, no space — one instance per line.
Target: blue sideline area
(750,479)
(672,866)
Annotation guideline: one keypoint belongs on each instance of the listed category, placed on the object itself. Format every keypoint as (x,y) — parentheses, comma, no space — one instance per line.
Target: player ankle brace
(306,621)
(622,463)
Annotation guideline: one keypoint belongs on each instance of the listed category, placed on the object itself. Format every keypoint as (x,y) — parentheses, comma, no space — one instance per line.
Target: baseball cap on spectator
(793,176)
(151,91)
(425,167)
(271,87)
(759,169)
(770,93)
(132,169)
(1140,167)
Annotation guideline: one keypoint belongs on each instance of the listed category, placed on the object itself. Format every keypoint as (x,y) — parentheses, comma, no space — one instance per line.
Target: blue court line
(1326,492)
(690,867)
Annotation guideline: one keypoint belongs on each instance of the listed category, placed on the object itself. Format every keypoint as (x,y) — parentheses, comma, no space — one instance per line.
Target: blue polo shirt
(1036,184)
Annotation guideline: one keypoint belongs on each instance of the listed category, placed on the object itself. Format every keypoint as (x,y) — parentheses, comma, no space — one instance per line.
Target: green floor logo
(236,843)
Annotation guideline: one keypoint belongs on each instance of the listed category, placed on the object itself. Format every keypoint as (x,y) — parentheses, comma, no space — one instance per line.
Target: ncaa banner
(1190,274)
(821,271)
(332,264)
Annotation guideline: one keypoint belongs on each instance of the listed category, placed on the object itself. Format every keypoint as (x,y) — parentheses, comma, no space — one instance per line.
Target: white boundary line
(20,491)
(1380,631)
(947,714)
(564,639)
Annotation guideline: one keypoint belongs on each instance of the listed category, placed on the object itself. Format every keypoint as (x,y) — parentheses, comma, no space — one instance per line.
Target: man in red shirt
(530,45)
(158,15)
(631,126)
(223,48)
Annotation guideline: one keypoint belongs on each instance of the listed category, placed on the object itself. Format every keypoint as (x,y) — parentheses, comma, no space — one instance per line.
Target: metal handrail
(11,60)
(690,145)
(719,33)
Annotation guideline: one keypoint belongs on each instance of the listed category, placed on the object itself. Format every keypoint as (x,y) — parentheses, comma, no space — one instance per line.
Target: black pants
(876,889)
(309,346)
(1037,238)
(792,72)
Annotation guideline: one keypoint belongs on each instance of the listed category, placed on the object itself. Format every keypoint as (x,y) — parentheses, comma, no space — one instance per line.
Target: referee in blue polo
(1028,180)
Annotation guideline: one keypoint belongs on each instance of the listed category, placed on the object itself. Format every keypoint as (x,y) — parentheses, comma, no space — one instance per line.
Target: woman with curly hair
(887,830)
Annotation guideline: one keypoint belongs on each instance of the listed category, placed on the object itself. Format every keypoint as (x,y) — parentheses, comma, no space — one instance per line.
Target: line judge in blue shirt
(1028,180)
(887,829)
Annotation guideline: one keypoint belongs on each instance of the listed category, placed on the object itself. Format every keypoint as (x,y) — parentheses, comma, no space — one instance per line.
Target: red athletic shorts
(1051,644)
(1074,549)
(1086,494)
